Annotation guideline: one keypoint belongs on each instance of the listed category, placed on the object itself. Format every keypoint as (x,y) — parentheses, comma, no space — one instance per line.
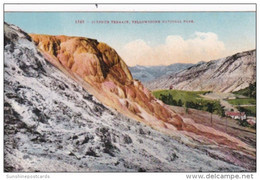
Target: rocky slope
(53,124)
(100,70)
(149,73)
(224,75)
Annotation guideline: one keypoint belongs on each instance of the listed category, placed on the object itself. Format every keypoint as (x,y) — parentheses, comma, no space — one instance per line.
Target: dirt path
(246,105)
(221,96)
(227,106)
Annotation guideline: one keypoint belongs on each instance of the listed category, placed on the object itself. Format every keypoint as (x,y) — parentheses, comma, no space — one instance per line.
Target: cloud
(201,47)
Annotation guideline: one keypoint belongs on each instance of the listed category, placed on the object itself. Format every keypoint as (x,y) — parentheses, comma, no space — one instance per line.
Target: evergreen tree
(180,102)
(210,109)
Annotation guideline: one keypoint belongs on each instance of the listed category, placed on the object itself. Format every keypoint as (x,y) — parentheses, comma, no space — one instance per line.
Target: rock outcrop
(224,75)
(107,74)
(99,69)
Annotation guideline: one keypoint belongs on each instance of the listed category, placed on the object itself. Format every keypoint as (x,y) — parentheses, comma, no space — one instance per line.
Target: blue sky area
(235,29)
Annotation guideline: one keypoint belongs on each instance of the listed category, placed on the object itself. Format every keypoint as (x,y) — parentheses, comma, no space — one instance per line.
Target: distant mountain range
(149,73)
(223,75)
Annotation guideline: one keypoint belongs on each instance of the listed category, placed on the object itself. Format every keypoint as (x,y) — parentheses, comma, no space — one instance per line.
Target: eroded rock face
(99,69)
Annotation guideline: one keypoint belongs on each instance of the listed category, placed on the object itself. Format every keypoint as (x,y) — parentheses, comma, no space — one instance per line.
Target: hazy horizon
(193,63)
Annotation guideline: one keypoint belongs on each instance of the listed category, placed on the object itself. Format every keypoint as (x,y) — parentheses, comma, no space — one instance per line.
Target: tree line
(204,105)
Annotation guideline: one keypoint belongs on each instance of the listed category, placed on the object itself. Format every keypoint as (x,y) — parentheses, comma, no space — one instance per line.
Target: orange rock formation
(103,73)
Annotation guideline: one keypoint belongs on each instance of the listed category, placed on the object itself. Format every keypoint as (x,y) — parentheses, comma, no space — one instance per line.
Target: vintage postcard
(129,88)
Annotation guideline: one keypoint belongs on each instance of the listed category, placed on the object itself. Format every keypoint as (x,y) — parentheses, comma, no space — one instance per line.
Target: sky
(187,37)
